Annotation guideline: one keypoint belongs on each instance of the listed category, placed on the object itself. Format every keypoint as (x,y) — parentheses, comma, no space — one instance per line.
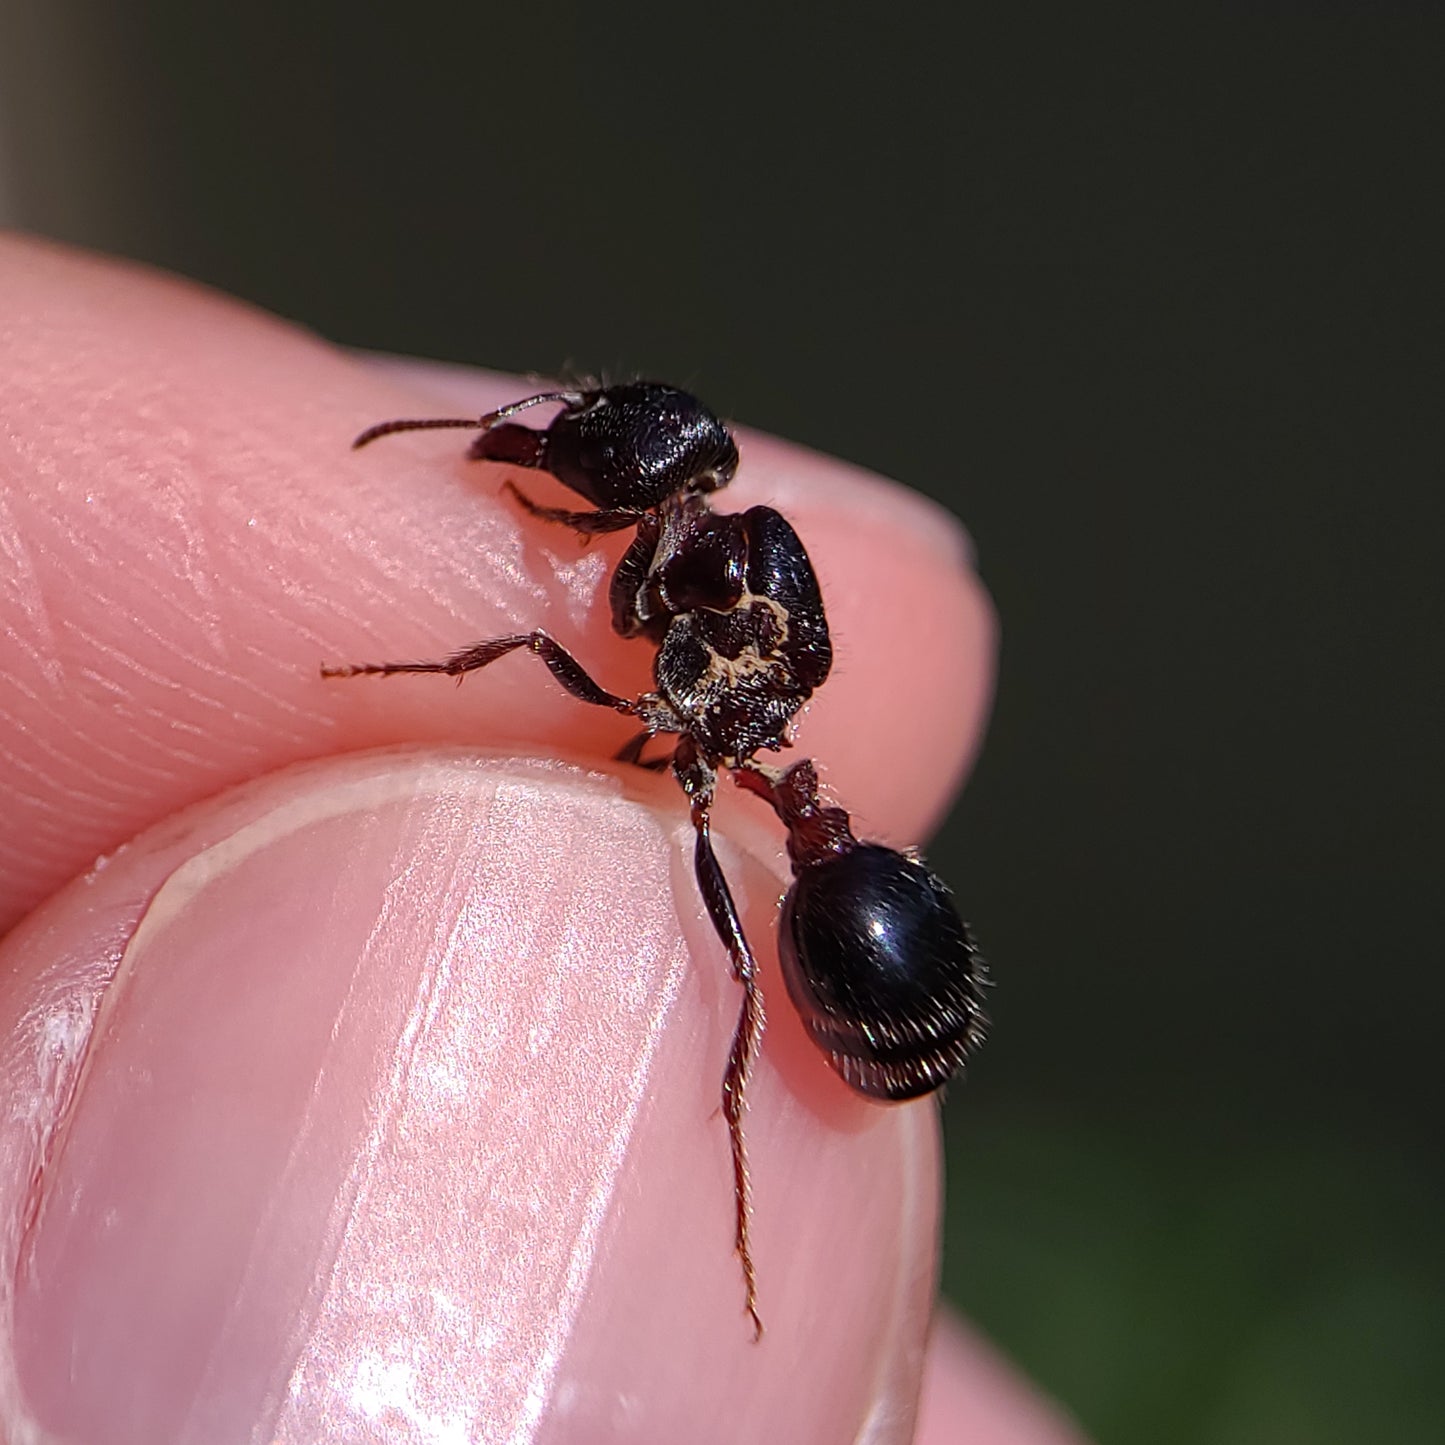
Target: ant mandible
(877,961)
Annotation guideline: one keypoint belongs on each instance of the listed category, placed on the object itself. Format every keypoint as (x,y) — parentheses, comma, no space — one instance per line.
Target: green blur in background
(1155,308)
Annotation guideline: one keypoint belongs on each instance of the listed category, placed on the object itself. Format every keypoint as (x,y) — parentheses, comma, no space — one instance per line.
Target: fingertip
(193,536)
(970,1392)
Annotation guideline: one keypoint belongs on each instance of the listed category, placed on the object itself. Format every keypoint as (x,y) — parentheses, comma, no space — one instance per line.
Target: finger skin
(187,537)
(379,1101)
(972,1396)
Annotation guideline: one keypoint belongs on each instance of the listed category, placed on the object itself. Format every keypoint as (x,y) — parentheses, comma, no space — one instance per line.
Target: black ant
(876,959)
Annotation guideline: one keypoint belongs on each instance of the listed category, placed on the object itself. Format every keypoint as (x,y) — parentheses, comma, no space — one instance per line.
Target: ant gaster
(876,959)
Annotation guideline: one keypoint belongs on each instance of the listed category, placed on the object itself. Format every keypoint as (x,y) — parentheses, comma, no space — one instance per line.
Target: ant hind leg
(696,779)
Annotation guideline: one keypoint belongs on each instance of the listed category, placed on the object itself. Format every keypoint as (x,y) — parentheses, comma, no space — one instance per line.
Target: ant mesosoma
(876,959)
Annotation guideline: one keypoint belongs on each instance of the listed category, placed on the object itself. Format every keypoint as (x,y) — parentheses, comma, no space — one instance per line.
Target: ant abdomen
(883,971)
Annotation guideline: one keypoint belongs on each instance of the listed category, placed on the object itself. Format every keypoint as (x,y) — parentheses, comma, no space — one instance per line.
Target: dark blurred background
(1155,307)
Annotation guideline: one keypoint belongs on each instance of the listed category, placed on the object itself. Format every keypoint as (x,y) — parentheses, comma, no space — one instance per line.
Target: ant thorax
(732,603)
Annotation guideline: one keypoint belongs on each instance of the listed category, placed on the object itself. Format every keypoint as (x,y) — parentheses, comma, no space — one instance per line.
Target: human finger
(379,1099)
(188,537)
(972,1394)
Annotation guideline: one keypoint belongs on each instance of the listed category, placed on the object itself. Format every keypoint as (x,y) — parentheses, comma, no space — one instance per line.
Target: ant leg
(560,663)
(746,1038)
(631,752)
(696,779)
(589,524)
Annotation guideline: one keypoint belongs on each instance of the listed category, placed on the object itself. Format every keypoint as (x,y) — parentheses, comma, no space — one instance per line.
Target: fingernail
(343,1143)
(399,1121)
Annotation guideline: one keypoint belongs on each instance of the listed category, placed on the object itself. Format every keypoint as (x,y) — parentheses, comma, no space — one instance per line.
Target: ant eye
(883,971)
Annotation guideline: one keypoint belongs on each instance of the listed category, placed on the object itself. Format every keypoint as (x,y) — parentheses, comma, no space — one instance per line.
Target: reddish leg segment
(560,663)
(586,524)
(697,780)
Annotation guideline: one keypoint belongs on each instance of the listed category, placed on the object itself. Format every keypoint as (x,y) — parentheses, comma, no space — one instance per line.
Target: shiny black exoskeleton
(876,959)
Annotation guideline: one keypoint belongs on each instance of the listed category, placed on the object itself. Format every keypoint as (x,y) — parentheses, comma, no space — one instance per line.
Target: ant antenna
(483,423)
(385,428)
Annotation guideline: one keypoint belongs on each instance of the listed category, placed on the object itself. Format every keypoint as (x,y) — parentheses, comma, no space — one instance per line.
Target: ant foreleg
(588,524)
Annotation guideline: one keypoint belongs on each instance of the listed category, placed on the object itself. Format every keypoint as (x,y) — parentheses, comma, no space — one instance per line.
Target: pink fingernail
(322,1176)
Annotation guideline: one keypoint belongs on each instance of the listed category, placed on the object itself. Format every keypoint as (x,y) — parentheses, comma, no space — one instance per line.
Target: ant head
(631,447)
(624,448)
